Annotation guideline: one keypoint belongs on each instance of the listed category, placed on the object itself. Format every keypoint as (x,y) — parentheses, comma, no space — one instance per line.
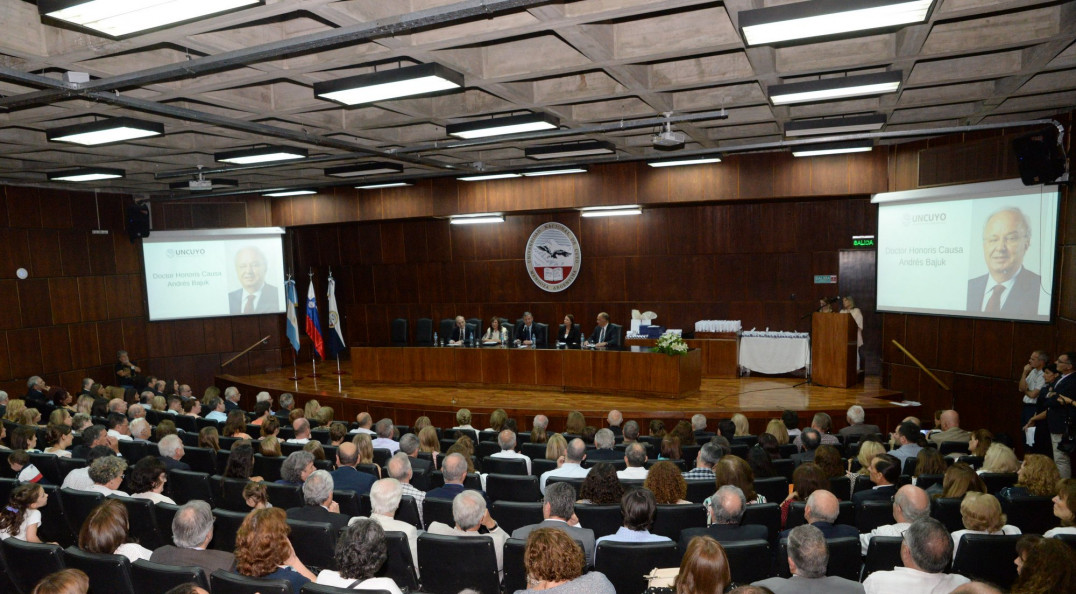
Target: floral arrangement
(671,344)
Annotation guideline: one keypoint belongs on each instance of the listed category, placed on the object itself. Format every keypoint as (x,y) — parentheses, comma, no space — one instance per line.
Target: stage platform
(760,399)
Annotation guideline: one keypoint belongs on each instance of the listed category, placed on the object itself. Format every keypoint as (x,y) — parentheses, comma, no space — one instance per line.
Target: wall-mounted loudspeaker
(138,221)
(1039,156)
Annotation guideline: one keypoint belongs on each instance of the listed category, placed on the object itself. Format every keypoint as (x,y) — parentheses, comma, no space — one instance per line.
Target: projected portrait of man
(1008,288)
(255,297)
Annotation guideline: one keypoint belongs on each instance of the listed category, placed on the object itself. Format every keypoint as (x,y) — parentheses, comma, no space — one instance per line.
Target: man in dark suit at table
(459,331)
(605,334)
(528,333)
(726,510)
(319,505)
(1007,289)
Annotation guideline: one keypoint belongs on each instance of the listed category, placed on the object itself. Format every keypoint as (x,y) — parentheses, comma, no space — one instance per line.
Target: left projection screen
(213,273)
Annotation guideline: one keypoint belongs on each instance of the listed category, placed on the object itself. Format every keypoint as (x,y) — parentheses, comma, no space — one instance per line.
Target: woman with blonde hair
(497,419)
(270,447)
(428,443)
(420,424)
(555,447)
(310,410)
(1038,476)
(84,404)
(366,450)
(980,442)
(576,423)
(14,410)
(981,514)
(999,458)
(959,480)
(742,427)
(776,428)
(159,403)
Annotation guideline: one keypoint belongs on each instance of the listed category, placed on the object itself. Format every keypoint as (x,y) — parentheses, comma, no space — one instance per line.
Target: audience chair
(516,466)
(78,505)
(996,481)
(445,330)
(424,332)
(136,450)
(883,554)
(157,578)
(285,496)
(784,467)
(617,464)
(953,447)
(225,528)
(515,573)
(458,562)
(186,485)
(775,488)
(315,588)
(398,332)
(164,514)
(54,526)
(314,543)
(69,464)
(438,510)
(539,466)
(142,519)
(671,519)
(988,558)
(575,482)
(625,563)
(226,582)
(925,481)
(109,574)
(534,451)
(746,560)
(841,486)
(268,467)
(348,502)
(507,487)
(699,490)
(201,459)
(185,423)
(49,466)
(872,514)
(516,514)
(28,562)
(844,558)
(947,511)
(1069,539)
(399,566)
(975,462)
(370,469)
(766,514)
(1033,515)
(231,494)
(909,466)
(602,519)
(381,457)
(787,450)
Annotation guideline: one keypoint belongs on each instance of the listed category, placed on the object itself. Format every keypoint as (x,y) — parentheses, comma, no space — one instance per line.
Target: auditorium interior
(744,235)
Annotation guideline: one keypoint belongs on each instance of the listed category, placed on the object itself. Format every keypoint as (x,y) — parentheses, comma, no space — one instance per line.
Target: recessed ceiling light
(835,88)
(611,211)
(820,18)
(477,219)
(833,148)
(124,17)
(488,176)
(558,171)
(505,125)
(283,193)
(390,84)
(686,161)
(362,169)
(843,125)
(263,154)
(387,185)
(86,174)
(572,149)
(105,131)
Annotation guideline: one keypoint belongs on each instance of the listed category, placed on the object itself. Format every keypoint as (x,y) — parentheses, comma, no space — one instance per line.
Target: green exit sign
(863,241)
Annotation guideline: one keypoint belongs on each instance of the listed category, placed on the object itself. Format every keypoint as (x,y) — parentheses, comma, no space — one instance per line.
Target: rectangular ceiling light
(378,186)
(679,162)
(390,84)
(835,88)
(833,148)
(86,174)
(263,154)
(585,148)
(864,123)
(362,169)
(105,131)
(488,176)
(559,171)
(821,18)
(283,193)
(500,126)
(477,219)
(611,211)
(117,18)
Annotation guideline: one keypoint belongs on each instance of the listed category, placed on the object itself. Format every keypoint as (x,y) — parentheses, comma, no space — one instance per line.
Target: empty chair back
(268,467)
(28,562)
(437,510)
(1032,515)
(625,563)
(109,574)
(517,466)
(747,560)
(78,505)
(424,332)
(285,496)
(515,571)
(398,332)
(458,562)
(947,511)
(506,487)
(399,566)
(314,543)
(516,514)
(49,466)
(765,514)
(671,519)
(698,490)
(988,558)
(226,582)
(157,578)
(872,514)
(225,528)
(602,519)
(186,485)
(231,494)
(774,488)
(201,459)
(142,520)
(883,554)
(996,481)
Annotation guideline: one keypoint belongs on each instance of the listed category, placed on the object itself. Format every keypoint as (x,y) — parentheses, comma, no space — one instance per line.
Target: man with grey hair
(635,458)
(506,439)
(385,498)
(87,383)
(926,552)
(472,518)
(192,530)
(231,398)
(698,426)
(365,422)
(136,411)
(821,512)
(297,467)
(808,556)
(558,509)
(107,475)
(301,427)
(708,456)
(384,429)
(409,446)
(570,465)
(3,402)
(604,440)
(631,432)
(910,504)
(855,416)
(319,505)
(1007,289)
(140,430)
(823,424)
(286,401)
(117,405)
(540,422)
(725,509)
(264,396)
(615,418)
(454,470)
(171,452)
(36,390)
(399,468)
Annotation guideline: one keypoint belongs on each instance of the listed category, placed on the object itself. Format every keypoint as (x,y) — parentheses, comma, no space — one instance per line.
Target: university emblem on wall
(553,257)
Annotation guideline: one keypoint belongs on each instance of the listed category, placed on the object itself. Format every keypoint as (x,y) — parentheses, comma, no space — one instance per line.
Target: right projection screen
(977,250)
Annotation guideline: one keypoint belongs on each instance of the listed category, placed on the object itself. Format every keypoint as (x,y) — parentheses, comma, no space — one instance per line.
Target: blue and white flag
(336,333)
(293,319)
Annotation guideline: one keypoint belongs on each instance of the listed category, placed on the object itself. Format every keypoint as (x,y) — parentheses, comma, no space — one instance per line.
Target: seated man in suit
(459,331)
(811,439)
(725,511)
(471,515)
(950,429)
(192,529)
(604,335)
(604,440)
(528,333)
(385,498)
(171,452)
(454,469)
(559,512)
(409,445)
(808,556)
(507,441)
(856,426)
(884,473)
(346,476)
(821,512)
(319,505)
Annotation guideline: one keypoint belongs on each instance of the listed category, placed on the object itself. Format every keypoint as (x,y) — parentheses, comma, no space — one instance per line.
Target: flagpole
(335,336)
(290,284)
(294,366)
(314,351)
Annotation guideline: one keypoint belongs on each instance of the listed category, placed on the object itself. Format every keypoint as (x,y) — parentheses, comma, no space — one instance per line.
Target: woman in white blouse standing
(850,308)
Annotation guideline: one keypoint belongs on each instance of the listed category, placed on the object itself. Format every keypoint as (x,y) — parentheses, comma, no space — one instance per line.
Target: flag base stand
(295,368)
(338,370)
(314,365)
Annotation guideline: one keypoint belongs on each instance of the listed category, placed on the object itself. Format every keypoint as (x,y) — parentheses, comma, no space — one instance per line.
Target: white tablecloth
(774,355)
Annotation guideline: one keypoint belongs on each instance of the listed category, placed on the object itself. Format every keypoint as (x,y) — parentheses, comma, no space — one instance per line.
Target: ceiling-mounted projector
(667,139)
(200,185)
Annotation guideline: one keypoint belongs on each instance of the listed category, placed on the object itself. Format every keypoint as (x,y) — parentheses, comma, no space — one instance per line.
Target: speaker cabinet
(1039,157)
(138,221)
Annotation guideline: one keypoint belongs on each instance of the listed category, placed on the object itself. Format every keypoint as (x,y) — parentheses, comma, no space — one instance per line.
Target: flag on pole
(313,326)
(293,320)
(336,334)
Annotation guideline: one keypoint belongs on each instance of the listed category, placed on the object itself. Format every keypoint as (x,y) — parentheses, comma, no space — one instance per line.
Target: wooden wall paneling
(4,190)
(616,184)
(378,319)
(124,296)
(369,204)
(259,212)
(65,300)
(438,241)
(159,340)
(1067,218)
(24,347)
(610,236)
(414,245)
(1028,338)
(922,339)
(393,247)
(993,348)
(45,255)
(986,402)
(831,174)
(102,254)
(10,312)
(128,255)
(749,312)
(55,349)
(5,357)
(328,245)
(24,207)
(933,397)
(134,337)
(792,175)
(869,172)
(471,197)
(85,351)
(16,252)
(189,337)
(110,340)
(904,377)
(112,209)
(35,302)
(955,338)
(74,254)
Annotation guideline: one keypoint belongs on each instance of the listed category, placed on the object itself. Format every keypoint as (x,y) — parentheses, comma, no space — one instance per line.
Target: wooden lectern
(833,350)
